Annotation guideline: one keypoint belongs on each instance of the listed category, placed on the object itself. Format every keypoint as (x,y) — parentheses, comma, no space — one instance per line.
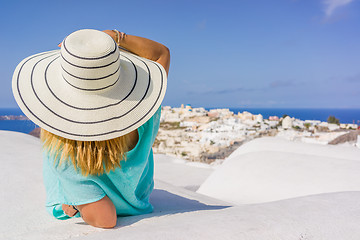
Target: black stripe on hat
(89,58)
(91,79)
(90,89)
(79,108)
(90,67)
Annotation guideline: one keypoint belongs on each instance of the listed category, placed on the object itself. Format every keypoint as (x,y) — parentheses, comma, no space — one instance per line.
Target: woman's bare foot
(69,210)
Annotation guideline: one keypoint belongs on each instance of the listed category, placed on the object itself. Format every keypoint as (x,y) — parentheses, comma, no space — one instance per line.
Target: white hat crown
(90,60)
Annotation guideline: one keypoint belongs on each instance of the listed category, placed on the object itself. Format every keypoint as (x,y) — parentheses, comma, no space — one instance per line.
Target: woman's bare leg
(100,214)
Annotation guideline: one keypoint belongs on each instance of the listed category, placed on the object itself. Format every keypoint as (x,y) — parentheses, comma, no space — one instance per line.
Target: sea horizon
(345,115)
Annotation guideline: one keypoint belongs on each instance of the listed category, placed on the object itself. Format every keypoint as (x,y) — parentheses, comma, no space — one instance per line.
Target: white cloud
(332,5)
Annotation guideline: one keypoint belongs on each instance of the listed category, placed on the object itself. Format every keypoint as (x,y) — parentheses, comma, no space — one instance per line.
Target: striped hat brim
(44,95)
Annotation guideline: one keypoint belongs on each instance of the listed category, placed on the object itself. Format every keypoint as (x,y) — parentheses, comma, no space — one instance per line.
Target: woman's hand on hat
(142,47)
(113,34)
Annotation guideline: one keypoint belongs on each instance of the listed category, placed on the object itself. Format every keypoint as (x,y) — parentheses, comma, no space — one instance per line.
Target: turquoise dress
(128,187)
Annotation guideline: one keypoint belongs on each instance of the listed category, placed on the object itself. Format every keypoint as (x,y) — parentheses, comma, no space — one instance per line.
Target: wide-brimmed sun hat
(89,90)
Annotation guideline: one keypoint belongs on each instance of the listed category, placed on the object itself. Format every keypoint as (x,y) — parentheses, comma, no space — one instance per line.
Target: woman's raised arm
(144,47)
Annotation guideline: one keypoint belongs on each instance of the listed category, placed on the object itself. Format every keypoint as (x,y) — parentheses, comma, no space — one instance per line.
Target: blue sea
(24,126)
(344,115)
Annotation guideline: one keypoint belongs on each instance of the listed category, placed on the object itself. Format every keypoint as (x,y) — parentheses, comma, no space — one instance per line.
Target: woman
(98,106)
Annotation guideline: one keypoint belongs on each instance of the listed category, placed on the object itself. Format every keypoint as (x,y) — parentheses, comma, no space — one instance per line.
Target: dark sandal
(77,210)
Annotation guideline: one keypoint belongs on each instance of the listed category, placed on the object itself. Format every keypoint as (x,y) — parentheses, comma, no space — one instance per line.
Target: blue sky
(241,53)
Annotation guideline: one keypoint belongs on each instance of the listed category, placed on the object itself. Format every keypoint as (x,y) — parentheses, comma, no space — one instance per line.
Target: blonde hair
(91,157)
